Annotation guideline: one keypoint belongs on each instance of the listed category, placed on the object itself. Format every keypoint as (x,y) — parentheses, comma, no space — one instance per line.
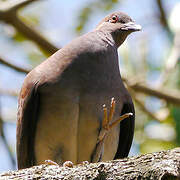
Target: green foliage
(176,110)
(176,115)
(154,145)
(35,58)
(83,17)
(18,37)
(30,19)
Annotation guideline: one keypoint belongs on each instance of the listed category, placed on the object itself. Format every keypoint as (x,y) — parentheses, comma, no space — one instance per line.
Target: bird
(60,103)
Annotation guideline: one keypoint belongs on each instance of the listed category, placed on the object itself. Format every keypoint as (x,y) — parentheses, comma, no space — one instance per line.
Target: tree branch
(6,92)
(6,143)
(162,16)
(20,4)
(159,165)
(16,68)
(142,106)
(162,94)
(33,35)
(10,16)
(172,60)
(135,86)
(14,5)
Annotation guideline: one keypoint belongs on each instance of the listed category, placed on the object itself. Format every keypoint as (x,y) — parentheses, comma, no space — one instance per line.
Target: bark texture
(160,165)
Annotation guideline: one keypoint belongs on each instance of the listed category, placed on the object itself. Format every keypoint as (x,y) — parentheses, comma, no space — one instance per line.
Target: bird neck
(111,33)
(119,37)
(106,37)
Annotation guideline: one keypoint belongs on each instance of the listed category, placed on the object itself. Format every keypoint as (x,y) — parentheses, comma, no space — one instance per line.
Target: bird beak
(131,26)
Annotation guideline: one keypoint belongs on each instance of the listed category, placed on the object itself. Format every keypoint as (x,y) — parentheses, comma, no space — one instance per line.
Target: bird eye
(114,19)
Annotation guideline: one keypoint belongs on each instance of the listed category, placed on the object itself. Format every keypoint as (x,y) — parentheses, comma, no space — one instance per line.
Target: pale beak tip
(138,27)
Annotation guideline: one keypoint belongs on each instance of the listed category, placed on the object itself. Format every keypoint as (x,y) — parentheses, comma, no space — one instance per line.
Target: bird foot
(50,162)
(84,162)
(65,164)
(107,125)
(68,164)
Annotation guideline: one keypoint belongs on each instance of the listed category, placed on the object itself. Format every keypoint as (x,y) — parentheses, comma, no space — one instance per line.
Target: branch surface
(159,165)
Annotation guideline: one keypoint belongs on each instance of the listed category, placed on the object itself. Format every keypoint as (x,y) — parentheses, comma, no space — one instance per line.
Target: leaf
(19,37)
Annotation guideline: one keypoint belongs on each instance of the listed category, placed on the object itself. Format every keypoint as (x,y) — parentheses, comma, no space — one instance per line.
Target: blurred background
(31,30)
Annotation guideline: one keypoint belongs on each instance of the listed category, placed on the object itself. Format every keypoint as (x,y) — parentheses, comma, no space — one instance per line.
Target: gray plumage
(60,104)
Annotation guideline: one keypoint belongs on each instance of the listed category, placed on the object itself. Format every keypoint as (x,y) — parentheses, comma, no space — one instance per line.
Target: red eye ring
(114,19)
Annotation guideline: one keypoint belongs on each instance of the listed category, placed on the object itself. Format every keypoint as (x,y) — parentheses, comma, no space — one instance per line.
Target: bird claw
(84,162)
(65,164)
(50,162)
(68,164)
(107,119)
(107,125)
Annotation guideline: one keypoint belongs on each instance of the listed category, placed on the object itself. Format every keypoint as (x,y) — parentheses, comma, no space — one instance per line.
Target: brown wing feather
(26,125)
(126,132)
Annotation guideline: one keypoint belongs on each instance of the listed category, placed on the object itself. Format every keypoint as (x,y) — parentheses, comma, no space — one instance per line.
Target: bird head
(120,25)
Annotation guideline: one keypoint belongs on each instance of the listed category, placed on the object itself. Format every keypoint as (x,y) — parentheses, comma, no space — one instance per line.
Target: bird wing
(126,132)
(26,124)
